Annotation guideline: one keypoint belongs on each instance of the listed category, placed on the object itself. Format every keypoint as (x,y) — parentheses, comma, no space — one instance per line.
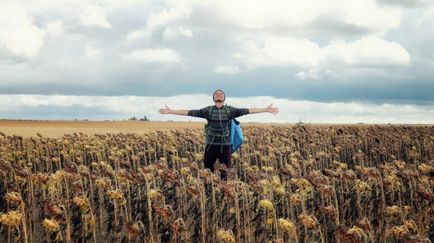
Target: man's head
(219,96)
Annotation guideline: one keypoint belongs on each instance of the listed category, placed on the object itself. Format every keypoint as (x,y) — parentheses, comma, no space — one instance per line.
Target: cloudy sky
(317,60)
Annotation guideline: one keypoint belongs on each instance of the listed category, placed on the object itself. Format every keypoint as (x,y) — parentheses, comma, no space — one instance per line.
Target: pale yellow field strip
(59,128)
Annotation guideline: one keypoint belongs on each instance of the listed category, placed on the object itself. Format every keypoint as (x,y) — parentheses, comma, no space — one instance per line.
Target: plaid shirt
(218,122)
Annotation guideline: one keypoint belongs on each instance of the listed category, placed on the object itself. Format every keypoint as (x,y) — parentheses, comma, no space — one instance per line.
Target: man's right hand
(165,111)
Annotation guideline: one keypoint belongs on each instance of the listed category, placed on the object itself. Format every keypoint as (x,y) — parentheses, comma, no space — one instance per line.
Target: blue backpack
(236,135)
(236,132)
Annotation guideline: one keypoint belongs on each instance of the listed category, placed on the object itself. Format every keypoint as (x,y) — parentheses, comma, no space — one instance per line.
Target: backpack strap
(228,111)
(210,108)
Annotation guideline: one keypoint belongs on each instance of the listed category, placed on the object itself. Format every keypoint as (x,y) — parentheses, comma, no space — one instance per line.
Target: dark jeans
(214,152)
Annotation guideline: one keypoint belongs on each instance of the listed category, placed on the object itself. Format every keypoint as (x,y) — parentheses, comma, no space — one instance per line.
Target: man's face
(219,96)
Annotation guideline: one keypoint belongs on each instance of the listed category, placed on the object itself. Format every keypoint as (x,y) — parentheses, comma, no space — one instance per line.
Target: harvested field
(340,183)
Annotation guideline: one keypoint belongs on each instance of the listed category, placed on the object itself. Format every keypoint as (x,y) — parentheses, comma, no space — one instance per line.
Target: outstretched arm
(167,110)
(269,109)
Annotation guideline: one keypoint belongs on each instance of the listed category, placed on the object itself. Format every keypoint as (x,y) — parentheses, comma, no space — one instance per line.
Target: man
(217,135)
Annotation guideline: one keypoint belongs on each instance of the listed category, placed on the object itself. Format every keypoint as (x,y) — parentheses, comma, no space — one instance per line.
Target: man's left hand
(272,109)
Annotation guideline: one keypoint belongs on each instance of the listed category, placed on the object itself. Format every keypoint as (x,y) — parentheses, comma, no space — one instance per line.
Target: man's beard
(219,100)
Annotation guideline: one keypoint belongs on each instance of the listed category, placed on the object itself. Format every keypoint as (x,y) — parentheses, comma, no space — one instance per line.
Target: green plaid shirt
(218,122)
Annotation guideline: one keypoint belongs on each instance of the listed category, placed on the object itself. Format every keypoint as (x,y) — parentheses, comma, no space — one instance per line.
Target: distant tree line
(145,118)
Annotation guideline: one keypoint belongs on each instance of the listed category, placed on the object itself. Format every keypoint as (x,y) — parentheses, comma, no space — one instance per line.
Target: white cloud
(368,14)
(281,51)
(165,16)
(408,3)
(168,21)
(297,14)
(227,69)
(55,28)
(171,33)
(94,16)
(426,16)
(312,73)
(291,111)
(153,56)
(20,38)
(369,51)
(249,14)
(92,52)
(185,32)
(137,35)
(165,19)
